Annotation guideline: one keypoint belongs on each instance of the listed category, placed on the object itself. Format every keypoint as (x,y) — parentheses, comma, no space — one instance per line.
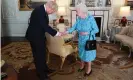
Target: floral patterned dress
(85,25)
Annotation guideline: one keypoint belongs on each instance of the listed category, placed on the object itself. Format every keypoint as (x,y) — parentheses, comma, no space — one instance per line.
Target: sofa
(125,37)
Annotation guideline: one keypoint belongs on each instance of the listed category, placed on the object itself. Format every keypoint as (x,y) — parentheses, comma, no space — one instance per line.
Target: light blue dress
(85,25)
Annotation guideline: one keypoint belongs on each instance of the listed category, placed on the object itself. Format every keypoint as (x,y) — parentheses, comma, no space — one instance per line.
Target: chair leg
(114,41)
(120,45)
(76,56)
(48,58)
(130,52)
(63,59)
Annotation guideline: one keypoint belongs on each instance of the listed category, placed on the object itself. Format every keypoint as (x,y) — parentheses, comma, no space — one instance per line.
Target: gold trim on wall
(126,2)
(23,9)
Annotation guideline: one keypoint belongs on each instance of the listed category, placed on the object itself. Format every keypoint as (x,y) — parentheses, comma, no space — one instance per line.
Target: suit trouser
(39,54)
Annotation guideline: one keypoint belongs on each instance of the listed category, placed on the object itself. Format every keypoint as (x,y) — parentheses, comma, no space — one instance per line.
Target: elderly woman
(85,26)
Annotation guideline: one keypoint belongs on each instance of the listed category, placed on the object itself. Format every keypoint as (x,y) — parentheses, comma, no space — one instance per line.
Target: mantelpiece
(94,8)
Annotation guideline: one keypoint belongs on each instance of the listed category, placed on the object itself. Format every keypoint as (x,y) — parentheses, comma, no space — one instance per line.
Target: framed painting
(129,3)
(30,4)
(108,3)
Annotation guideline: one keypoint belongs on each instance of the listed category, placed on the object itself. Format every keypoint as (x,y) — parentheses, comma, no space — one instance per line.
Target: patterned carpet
(17,54)
(110,64)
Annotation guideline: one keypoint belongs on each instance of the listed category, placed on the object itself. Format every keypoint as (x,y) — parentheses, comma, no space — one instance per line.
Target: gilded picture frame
(129,3)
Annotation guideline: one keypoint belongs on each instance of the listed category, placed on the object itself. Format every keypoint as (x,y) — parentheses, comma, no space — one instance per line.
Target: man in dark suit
(39,24)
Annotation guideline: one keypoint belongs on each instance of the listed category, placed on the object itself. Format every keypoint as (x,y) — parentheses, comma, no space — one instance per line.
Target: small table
(10,71)
(115,30)
(67,37)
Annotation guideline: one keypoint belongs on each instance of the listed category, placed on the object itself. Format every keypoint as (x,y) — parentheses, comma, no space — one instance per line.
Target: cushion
(128,41)
(121,37)
(66,50)
(130,31)
(124,31)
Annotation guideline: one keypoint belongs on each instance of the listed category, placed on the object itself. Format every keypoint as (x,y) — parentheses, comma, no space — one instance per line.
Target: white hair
(82,7)
(52,5)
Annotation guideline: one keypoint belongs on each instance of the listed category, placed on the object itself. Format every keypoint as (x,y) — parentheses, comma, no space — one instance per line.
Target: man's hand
(61,33)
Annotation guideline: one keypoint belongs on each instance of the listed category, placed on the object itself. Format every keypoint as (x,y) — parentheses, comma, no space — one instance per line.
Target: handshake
(62,33)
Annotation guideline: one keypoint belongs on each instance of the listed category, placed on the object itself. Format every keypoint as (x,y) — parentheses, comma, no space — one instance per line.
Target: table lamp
(124,12)
(61,13)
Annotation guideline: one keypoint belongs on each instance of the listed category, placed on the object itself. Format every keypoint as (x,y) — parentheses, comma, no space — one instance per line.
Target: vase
(101,3)
(72,3)
(108,2)
(108,35)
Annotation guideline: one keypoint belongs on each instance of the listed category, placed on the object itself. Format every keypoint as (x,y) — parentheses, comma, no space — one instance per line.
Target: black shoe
(88,74)
(51,72)
(47,78)
(44,78)
(80,70)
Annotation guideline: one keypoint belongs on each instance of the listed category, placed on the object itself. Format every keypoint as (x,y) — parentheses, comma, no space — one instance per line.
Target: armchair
(57,46)
(125,37)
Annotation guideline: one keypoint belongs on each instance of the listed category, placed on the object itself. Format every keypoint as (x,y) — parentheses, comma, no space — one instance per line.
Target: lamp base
(61,20)
(124,21)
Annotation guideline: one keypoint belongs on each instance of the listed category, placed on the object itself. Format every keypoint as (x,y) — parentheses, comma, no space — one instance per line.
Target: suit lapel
(47,17)
(46,14)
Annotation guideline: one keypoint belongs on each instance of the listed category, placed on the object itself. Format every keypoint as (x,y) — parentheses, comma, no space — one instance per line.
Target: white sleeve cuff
(57,34)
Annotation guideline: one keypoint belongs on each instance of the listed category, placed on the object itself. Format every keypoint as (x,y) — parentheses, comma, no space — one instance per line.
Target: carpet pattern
(110,64)
(17,54)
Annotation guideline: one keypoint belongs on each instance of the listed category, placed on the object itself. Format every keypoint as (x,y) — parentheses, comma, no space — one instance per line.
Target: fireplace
(99,23)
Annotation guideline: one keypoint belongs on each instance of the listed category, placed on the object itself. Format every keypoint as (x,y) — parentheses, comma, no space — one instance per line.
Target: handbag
(90,44)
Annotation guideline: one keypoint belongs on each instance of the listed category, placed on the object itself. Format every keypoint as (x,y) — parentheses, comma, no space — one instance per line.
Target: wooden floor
(10,71)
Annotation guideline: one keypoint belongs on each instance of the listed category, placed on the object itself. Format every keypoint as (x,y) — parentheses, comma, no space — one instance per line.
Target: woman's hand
(84,33)
(64,33)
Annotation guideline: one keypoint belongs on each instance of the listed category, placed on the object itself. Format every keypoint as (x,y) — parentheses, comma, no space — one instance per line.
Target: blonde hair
(82,7)
(52,5)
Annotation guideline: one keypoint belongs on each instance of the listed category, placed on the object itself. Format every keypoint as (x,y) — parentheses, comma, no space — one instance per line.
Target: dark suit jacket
(39,24)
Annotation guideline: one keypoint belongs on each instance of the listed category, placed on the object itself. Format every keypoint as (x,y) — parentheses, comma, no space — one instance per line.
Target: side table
(115,30)
(67,37)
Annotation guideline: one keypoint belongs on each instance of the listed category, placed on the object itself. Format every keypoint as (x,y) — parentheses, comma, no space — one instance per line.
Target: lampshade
(125,11)
(61,11)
